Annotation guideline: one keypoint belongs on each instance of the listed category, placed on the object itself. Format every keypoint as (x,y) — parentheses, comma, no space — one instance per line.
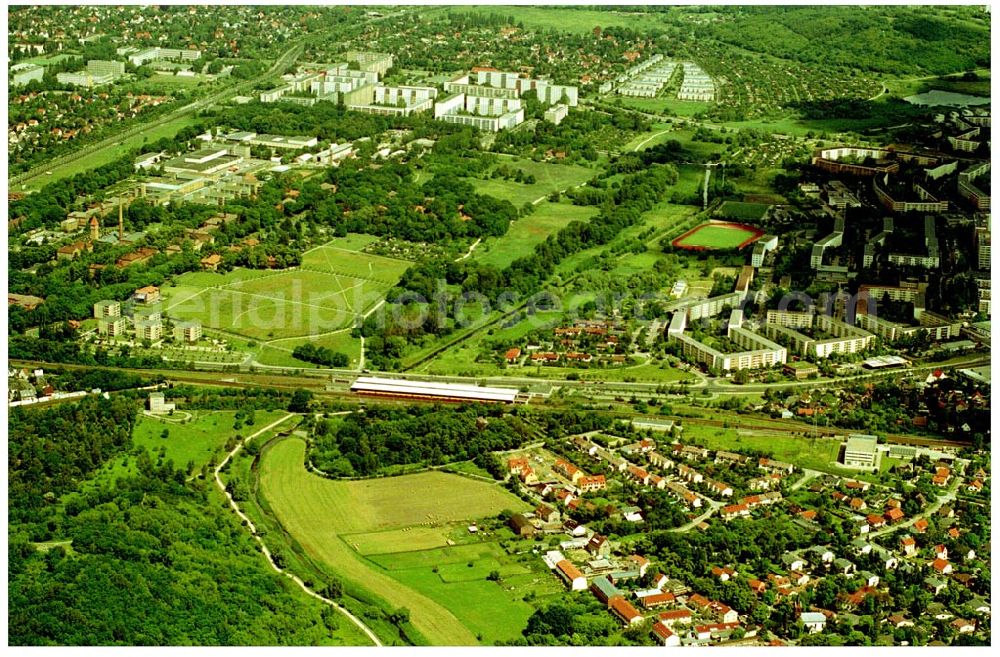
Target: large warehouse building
(449,392)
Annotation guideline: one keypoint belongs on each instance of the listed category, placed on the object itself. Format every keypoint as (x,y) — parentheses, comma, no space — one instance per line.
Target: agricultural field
(717,236)
(336,522)
(527,232)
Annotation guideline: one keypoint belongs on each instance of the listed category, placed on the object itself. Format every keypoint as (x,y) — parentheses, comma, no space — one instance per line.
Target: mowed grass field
(715,236)
(527,232)
(328,518)
(335,284)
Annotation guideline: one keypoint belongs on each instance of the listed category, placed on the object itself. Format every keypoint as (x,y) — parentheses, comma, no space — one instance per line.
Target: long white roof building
(429,390)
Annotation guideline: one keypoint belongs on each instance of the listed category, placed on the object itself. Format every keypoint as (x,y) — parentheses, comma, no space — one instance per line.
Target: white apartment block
(556,94)
(760,352)
(158,54)
(189,331)
(107,309)
(697,84)
(713,305)
(22,74)
(400,101)
(101,67)
(761,248)
(84,79)
(489,114)
(557,113)
(847,339)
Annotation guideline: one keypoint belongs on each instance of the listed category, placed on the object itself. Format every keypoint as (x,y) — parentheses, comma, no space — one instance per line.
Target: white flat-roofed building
(84,79)
(861,451)
(280,141)
(156,54)
(431,390)
(158,403)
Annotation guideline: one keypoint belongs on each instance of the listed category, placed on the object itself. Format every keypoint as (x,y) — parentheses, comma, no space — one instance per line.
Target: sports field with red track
(718,235)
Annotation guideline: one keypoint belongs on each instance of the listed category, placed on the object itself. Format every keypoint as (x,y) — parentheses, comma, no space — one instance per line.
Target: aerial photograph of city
(347,325)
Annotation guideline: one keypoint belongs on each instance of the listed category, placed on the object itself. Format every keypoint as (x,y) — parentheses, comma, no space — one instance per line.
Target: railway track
(335,388)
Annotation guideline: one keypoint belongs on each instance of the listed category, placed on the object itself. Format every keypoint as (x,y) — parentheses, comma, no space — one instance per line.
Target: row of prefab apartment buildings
(810,334)
(487,99)
(99,71)
(647,79)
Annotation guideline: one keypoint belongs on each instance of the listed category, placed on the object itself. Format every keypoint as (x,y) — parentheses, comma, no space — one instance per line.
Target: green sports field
(715,236)
(329,518)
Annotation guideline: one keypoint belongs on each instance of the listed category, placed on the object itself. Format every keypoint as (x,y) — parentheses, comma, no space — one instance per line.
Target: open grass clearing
(527,232)
(549,177)
(196,440)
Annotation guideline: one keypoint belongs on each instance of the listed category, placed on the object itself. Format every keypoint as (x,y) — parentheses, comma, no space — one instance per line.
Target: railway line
(335,388)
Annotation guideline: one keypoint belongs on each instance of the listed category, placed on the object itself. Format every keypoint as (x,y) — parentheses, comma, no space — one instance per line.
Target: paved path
(807,476)
(471,249)
(267,553)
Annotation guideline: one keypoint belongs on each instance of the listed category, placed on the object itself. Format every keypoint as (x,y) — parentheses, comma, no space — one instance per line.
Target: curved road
(263,547)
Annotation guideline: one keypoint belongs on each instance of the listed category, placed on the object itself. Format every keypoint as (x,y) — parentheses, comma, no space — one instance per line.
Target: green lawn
(527,232)
(684,108)
(803,451)
(278,352)
(197,439)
